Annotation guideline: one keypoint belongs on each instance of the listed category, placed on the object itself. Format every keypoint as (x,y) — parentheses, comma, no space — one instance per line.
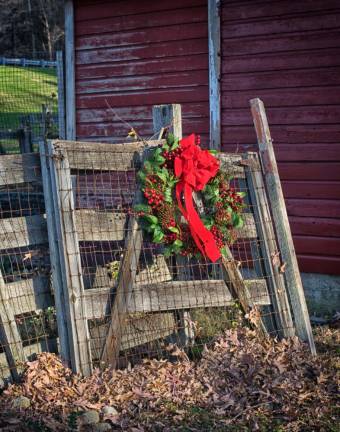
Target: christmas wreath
(189,204)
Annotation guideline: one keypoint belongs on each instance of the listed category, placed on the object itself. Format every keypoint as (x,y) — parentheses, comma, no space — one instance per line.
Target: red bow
(195,167)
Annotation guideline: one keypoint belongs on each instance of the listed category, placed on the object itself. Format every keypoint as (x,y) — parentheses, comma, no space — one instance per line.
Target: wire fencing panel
(25,86)
(128,299)
(27,316)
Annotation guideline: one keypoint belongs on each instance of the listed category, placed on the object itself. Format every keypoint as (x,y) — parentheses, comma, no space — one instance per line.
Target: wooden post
(280,218)
(69,259)
(268,247)
(57,268)
(9,335)
(127,275)
(170,116)
(70,71)
(25,139)
(61,95)
(214,35)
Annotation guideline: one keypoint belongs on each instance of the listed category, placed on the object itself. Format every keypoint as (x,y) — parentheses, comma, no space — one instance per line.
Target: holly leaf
(147,166)
(224,252)
(214,152)
(241,194)
(208,222)
(142,207)
(170,139)
(175,144)
(168,195)
(173,229)
(163,174)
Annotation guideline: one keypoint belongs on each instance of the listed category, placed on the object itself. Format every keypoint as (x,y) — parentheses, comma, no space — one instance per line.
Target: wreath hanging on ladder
(171,178)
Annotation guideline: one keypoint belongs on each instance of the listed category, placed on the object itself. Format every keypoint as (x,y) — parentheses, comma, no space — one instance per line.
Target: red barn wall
(135,54)
(288,54)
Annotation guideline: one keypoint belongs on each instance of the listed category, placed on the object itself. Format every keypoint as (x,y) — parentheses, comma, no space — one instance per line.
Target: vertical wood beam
(214,37)
(61,94)
(57,268)
(280,218)
(69,259)
(268,247)
(70,71)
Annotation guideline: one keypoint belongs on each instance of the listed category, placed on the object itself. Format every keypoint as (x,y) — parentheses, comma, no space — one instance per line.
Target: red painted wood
(152,35)
(317,245)
(142,67)
(291,78)
(237,134)
(313,208)
(287,54)
(280,43)
(136,54)
(249,10)
(319,264)
(311,189)
(287,97)
(309,171)
(313,226)
(91,10)
(158,19)
(286,115)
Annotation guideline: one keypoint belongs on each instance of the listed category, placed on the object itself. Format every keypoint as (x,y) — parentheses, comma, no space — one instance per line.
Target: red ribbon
(195,167)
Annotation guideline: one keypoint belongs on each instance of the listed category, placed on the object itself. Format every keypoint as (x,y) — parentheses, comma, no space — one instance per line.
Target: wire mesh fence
(122,294)
(26,86)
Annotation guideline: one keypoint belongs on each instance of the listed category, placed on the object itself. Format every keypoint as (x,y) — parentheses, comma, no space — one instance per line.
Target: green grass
(23,91)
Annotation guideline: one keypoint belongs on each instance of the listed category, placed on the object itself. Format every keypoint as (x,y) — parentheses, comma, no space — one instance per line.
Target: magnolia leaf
(151,218)
(237,220)
(178,243)
(158,236)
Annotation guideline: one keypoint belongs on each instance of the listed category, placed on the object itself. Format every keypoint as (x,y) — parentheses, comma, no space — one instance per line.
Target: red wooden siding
(135,54)
(288,54)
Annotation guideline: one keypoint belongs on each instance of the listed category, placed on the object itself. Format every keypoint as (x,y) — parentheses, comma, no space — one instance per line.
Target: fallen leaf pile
(244,380)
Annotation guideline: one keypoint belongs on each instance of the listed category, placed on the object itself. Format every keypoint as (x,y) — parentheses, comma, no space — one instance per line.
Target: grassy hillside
(22,92)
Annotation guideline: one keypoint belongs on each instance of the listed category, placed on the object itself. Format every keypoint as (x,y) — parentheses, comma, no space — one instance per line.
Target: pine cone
(166,215)
(222,216)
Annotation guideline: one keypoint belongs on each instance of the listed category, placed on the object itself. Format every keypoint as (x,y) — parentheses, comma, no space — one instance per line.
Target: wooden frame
(280,217)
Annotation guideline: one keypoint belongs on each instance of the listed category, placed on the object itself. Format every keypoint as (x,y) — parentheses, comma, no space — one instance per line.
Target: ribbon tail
(202,236)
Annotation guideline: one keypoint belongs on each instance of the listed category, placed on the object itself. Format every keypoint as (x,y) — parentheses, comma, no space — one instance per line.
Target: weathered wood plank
(23,231)
(69,260)
(176,295)
(127,275)
(93,225)
(284,236)
(16,169)
(103,156)
(30,294)
(269,249)
(138,329)
(231,163)
(214,40)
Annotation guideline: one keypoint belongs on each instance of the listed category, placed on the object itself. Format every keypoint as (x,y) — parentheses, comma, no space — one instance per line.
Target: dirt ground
(241,383)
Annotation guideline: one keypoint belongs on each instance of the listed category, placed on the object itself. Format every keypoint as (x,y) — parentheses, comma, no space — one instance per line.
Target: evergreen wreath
(169,177)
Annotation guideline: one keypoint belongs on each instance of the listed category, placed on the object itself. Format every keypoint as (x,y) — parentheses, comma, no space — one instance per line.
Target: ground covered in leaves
(241,383)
